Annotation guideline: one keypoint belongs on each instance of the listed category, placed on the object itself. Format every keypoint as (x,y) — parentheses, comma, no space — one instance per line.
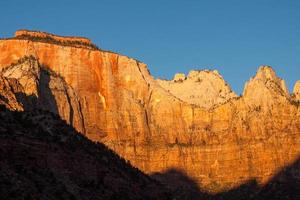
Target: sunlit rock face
(9,88)
(27,73)
(203,88)
(265,88)
(215,137)
(297,90)
(76,41)
(44,88)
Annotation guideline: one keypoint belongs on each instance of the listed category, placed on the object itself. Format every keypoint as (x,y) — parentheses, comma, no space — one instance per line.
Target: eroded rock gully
(219,139)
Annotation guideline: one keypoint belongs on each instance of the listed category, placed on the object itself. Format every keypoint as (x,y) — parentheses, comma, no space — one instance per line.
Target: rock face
(38,36)
(297,90)
(203,88)
(9,89)
(180,77)
(27,73)
(265,88)
(44,89)
(43,35)
(158,125)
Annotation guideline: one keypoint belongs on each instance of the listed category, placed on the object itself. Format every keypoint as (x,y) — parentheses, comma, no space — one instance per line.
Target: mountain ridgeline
(193,124)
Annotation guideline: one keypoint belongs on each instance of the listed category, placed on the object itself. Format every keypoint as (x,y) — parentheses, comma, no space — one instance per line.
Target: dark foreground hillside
(43,158)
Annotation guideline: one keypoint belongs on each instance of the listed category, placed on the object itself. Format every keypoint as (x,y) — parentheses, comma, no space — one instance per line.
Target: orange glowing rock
(113,99)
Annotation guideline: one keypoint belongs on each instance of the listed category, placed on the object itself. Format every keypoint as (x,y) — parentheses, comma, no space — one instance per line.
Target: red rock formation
(46,88)
(122,105)
(203,88)
(45,35)
(8,90)
(297,90)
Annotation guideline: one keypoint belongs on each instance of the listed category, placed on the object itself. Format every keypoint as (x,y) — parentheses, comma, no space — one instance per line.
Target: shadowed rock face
(9,89)
(43,158)
(115,100)
(45,88)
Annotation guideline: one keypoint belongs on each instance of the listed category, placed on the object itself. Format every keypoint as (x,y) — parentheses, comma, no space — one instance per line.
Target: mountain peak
(113,99)
(297,90)
(205,88)
(179,77)
(265,72)
(265,87)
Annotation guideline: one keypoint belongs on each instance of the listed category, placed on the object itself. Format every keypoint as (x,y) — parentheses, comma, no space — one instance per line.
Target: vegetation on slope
(43,158)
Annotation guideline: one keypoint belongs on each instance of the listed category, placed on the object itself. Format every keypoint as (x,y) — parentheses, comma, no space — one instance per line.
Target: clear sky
(232,36)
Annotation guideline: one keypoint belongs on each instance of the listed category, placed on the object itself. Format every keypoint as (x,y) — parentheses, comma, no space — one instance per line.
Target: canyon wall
(195,124)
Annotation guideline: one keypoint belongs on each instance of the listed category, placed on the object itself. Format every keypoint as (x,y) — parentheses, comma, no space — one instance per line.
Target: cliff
(203,88)
(159,125)
(297,90)
(38,34)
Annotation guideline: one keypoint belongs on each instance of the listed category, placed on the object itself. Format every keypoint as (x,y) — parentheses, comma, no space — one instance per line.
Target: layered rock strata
(155,125)
(21,33)
(203,88)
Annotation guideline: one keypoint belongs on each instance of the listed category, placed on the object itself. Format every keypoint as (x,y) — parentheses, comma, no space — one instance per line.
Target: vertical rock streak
(194,122)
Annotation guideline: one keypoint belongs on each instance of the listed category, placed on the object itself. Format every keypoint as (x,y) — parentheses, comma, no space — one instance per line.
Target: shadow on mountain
(284,185)
(4,99)
(41,157)
(45,100)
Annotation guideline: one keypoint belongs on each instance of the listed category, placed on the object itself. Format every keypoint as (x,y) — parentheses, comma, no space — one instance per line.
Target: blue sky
(232,36)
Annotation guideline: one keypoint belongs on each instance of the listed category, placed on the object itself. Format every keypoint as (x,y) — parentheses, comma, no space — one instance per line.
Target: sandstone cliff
(203,88)
(9,90)
(297,90)
(158,124)
(265,88)
(44,88)
(43,35)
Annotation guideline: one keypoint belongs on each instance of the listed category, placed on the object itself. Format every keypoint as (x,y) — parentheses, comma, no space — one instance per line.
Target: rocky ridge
(203,88)
(115,100)
(297,90)
(21,33)
(39,36)
(265,88)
